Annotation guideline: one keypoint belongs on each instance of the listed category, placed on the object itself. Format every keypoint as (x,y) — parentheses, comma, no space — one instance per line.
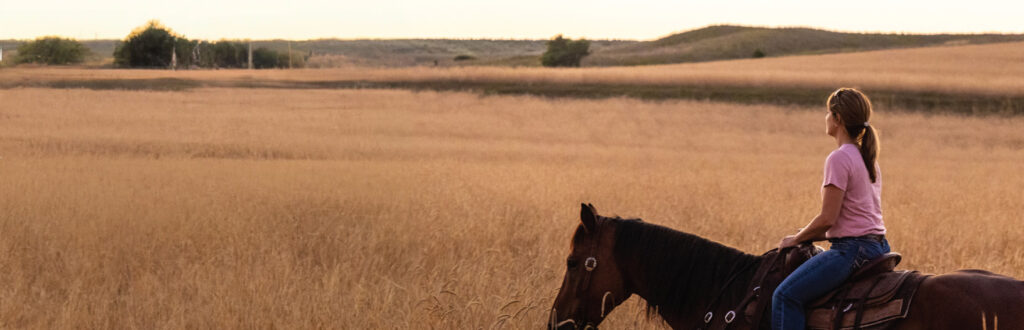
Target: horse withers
(695,283)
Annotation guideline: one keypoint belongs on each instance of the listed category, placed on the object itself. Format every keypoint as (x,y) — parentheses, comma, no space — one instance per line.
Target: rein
(709,315)
(730,316)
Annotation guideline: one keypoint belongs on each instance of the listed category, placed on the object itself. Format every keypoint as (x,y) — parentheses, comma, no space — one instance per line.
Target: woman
(851,212)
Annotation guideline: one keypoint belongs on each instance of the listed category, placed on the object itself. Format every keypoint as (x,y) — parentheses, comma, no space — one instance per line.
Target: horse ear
(588,216)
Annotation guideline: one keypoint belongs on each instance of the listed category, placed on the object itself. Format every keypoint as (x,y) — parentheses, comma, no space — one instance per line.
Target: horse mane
(681,270)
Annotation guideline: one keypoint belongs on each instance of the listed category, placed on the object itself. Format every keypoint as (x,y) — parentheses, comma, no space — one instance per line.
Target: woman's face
(831,124)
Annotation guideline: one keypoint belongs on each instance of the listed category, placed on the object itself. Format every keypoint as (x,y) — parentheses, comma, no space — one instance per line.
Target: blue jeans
(819,275)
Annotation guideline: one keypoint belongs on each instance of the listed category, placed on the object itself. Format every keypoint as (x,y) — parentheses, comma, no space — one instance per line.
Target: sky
(523,19)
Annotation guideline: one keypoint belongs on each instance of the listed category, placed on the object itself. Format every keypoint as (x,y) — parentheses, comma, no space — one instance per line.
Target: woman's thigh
(868,250)
(819,275)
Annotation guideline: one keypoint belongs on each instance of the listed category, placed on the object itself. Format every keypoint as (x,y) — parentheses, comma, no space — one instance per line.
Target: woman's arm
(831,202)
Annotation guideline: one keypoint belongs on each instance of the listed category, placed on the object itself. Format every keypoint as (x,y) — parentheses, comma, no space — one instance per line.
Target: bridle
(590,264)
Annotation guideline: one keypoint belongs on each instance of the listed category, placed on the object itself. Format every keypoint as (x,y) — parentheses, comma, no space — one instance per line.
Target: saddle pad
(823,319)
(880,293)
(875,315)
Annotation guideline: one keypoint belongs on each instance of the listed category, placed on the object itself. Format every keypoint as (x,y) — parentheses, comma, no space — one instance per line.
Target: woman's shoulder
(845,159)
(843,154)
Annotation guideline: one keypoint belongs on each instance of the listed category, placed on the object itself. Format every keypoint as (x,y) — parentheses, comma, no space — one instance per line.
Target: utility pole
(174,54)
(195,54)
(250,54)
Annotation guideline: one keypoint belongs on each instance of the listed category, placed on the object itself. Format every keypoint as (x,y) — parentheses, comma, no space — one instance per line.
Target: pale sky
(524,19)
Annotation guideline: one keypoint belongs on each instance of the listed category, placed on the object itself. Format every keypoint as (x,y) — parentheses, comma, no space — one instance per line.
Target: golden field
(296,209)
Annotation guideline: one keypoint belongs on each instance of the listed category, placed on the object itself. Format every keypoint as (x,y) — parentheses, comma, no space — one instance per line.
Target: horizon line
(371,38)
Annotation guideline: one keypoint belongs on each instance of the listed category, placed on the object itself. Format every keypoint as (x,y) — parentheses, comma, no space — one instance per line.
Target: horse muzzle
(571,324)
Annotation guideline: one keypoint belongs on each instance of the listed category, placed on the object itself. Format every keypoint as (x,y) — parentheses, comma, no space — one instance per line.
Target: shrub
(52,50)
(148,46)
(758,53)
(263,58)
(464,57)
(565,52)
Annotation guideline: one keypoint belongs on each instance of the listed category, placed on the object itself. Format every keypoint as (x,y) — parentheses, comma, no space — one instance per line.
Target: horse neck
(679,274)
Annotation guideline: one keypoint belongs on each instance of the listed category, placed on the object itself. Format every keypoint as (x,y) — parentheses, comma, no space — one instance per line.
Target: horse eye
(572,263)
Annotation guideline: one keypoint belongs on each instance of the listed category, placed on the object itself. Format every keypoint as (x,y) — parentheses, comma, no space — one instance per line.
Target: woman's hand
(787,242)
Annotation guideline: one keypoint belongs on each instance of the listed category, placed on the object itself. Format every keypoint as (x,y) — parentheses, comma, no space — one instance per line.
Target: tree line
(156,46)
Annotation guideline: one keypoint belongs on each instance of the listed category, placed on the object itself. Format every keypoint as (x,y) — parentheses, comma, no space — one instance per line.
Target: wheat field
(297,209)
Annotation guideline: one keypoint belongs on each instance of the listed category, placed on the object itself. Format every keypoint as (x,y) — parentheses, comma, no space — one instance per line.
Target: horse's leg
(967,300)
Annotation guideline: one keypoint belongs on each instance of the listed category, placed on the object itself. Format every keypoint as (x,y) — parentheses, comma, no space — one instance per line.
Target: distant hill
(723,42)
(412,52)
(713,43)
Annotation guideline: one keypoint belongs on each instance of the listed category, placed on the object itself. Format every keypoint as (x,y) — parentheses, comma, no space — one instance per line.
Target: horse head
(593,283)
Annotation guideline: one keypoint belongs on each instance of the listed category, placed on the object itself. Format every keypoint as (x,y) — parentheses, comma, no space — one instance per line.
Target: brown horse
(679,274)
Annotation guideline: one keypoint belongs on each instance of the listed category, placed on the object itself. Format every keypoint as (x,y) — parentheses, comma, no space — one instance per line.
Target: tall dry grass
(990,69)
(249,208)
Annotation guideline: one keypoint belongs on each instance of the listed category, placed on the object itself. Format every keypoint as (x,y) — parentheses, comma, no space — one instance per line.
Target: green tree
(149,46)
(565,52)
(229,54)
(185,51)
(152,46)
(263,58)
(52,50)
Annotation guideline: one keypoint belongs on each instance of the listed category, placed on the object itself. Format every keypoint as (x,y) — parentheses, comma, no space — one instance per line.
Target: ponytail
(869,151)
(852,106)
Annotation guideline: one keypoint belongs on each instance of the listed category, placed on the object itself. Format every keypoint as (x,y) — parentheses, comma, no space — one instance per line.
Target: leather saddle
(871,298)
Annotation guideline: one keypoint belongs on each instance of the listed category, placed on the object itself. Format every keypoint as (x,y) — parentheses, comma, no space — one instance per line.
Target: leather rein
(758,279)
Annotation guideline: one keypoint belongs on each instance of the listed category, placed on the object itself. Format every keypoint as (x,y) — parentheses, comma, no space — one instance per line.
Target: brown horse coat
(680,274)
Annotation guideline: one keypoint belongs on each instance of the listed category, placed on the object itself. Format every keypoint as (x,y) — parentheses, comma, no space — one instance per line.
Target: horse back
(967,299)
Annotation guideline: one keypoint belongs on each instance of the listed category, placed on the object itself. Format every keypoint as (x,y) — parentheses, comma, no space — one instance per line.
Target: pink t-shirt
(861,212)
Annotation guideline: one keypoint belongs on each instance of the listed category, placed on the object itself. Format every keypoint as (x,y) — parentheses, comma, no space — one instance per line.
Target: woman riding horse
(692,282)
(851,212)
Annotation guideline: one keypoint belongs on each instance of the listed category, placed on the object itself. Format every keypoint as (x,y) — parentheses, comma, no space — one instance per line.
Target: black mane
(682,271)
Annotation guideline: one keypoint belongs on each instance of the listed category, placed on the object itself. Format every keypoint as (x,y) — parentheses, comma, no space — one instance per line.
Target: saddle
(872,298)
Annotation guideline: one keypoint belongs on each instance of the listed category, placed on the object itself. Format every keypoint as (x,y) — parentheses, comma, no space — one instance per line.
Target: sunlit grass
(260,208)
